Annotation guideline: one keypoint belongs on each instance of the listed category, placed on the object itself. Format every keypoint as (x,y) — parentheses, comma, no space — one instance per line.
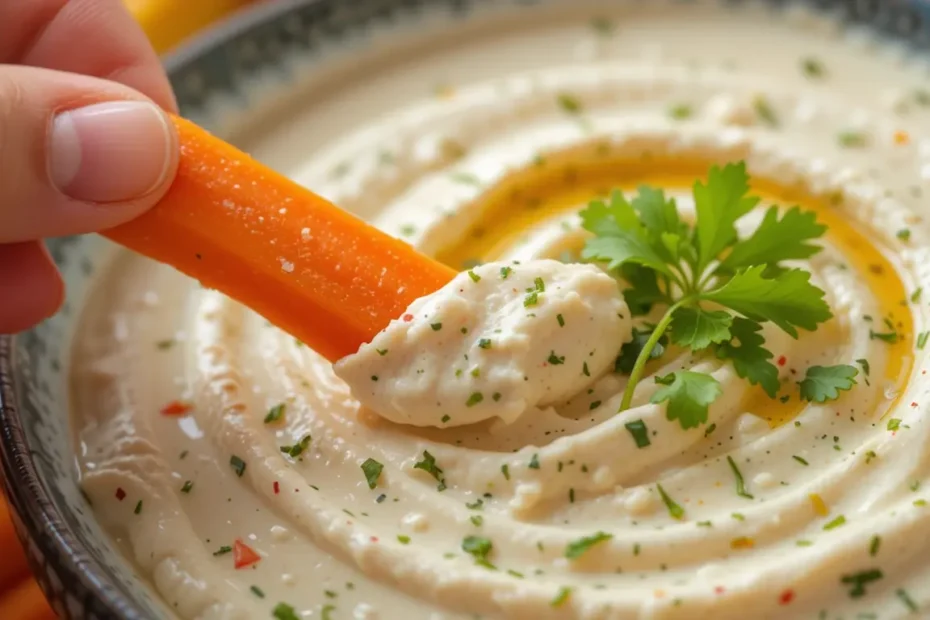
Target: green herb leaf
(719,203)
(789,300)
(750,359)
(631,350)
(643,291)
(372,470)
(620,235)
(777,240)
(577,548)
(698,329)
(689,395)
(823,383)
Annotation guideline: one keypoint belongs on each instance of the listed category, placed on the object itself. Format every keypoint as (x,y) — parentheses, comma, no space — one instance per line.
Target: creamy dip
(492,343)
(210,440)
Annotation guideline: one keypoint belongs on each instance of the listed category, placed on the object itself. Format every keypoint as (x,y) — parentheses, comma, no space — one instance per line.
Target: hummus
(241,476)
(496,342)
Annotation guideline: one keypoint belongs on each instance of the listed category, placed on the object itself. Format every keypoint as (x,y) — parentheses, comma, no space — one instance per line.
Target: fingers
(91,37)
(77,154)
(30,288)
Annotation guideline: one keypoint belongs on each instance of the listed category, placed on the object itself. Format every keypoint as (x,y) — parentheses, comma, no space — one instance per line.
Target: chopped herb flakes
(569,103)
(922,340)
(906,599)
(372,470)
(474,276)
(800,460)
(894,424)
(298,448)
(222,551)
(505,470)
(561,321)
(555,360)
(237,464)
(283,611)
(639,431)
(479,548)
(874,545)
(681,112)
(474,399)
(534,462)
(835,523)
(740,484)
(436,326)
(577,548)
(765,111)
(858,581)
(402,539)
(889,337)
(852,139)
(484,343)
(138,508)
(275,414)
(257,591)
(561,597)
(674,510)
(428,464)
(188,485)
(813,68)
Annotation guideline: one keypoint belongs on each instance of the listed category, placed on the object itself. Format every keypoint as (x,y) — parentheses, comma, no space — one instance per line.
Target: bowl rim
(32,510)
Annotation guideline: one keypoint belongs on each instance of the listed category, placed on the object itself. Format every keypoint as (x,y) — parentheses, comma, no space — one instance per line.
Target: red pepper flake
(782,360)
(786,597)
(374,539)
(407,318)
(120,493)
(914,404)
(718,590)
(176,407)
(244,555)
(277,487)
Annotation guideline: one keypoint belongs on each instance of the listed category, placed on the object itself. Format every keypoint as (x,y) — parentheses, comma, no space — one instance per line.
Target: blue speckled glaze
(81,571)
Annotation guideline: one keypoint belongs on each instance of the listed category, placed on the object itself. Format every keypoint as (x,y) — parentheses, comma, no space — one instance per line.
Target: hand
(84,143)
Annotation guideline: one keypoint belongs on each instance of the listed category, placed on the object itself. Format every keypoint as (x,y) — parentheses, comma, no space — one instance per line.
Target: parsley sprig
(716,287)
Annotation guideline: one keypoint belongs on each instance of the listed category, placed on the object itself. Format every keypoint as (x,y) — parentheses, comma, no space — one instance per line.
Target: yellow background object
(168,22)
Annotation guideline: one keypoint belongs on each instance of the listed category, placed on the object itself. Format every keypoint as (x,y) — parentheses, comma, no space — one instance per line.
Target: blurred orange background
(167,23)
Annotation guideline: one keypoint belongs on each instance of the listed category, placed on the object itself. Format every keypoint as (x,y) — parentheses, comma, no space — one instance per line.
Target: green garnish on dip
(716,287)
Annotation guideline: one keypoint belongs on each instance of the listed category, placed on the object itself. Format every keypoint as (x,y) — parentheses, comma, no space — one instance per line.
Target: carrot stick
(316,271)
(14,566)
(25,602)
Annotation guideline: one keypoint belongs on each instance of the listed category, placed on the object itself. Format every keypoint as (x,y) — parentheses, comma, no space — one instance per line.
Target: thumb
(77,154)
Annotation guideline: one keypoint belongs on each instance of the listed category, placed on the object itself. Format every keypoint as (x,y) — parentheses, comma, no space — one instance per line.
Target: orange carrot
(25,602)
(316,271)
(14,565)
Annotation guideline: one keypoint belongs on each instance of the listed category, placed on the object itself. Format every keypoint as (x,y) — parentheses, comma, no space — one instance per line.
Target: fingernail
(110,152)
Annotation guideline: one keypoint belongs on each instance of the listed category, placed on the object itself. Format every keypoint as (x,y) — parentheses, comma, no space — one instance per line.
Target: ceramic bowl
(231,80)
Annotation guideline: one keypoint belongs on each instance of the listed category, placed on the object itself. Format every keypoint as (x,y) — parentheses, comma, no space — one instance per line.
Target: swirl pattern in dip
(173,384)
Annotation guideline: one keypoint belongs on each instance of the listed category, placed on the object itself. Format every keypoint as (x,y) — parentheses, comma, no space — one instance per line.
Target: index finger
(92,37)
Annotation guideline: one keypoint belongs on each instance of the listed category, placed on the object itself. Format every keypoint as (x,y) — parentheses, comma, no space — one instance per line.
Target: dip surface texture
(492,343)
(240,475)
